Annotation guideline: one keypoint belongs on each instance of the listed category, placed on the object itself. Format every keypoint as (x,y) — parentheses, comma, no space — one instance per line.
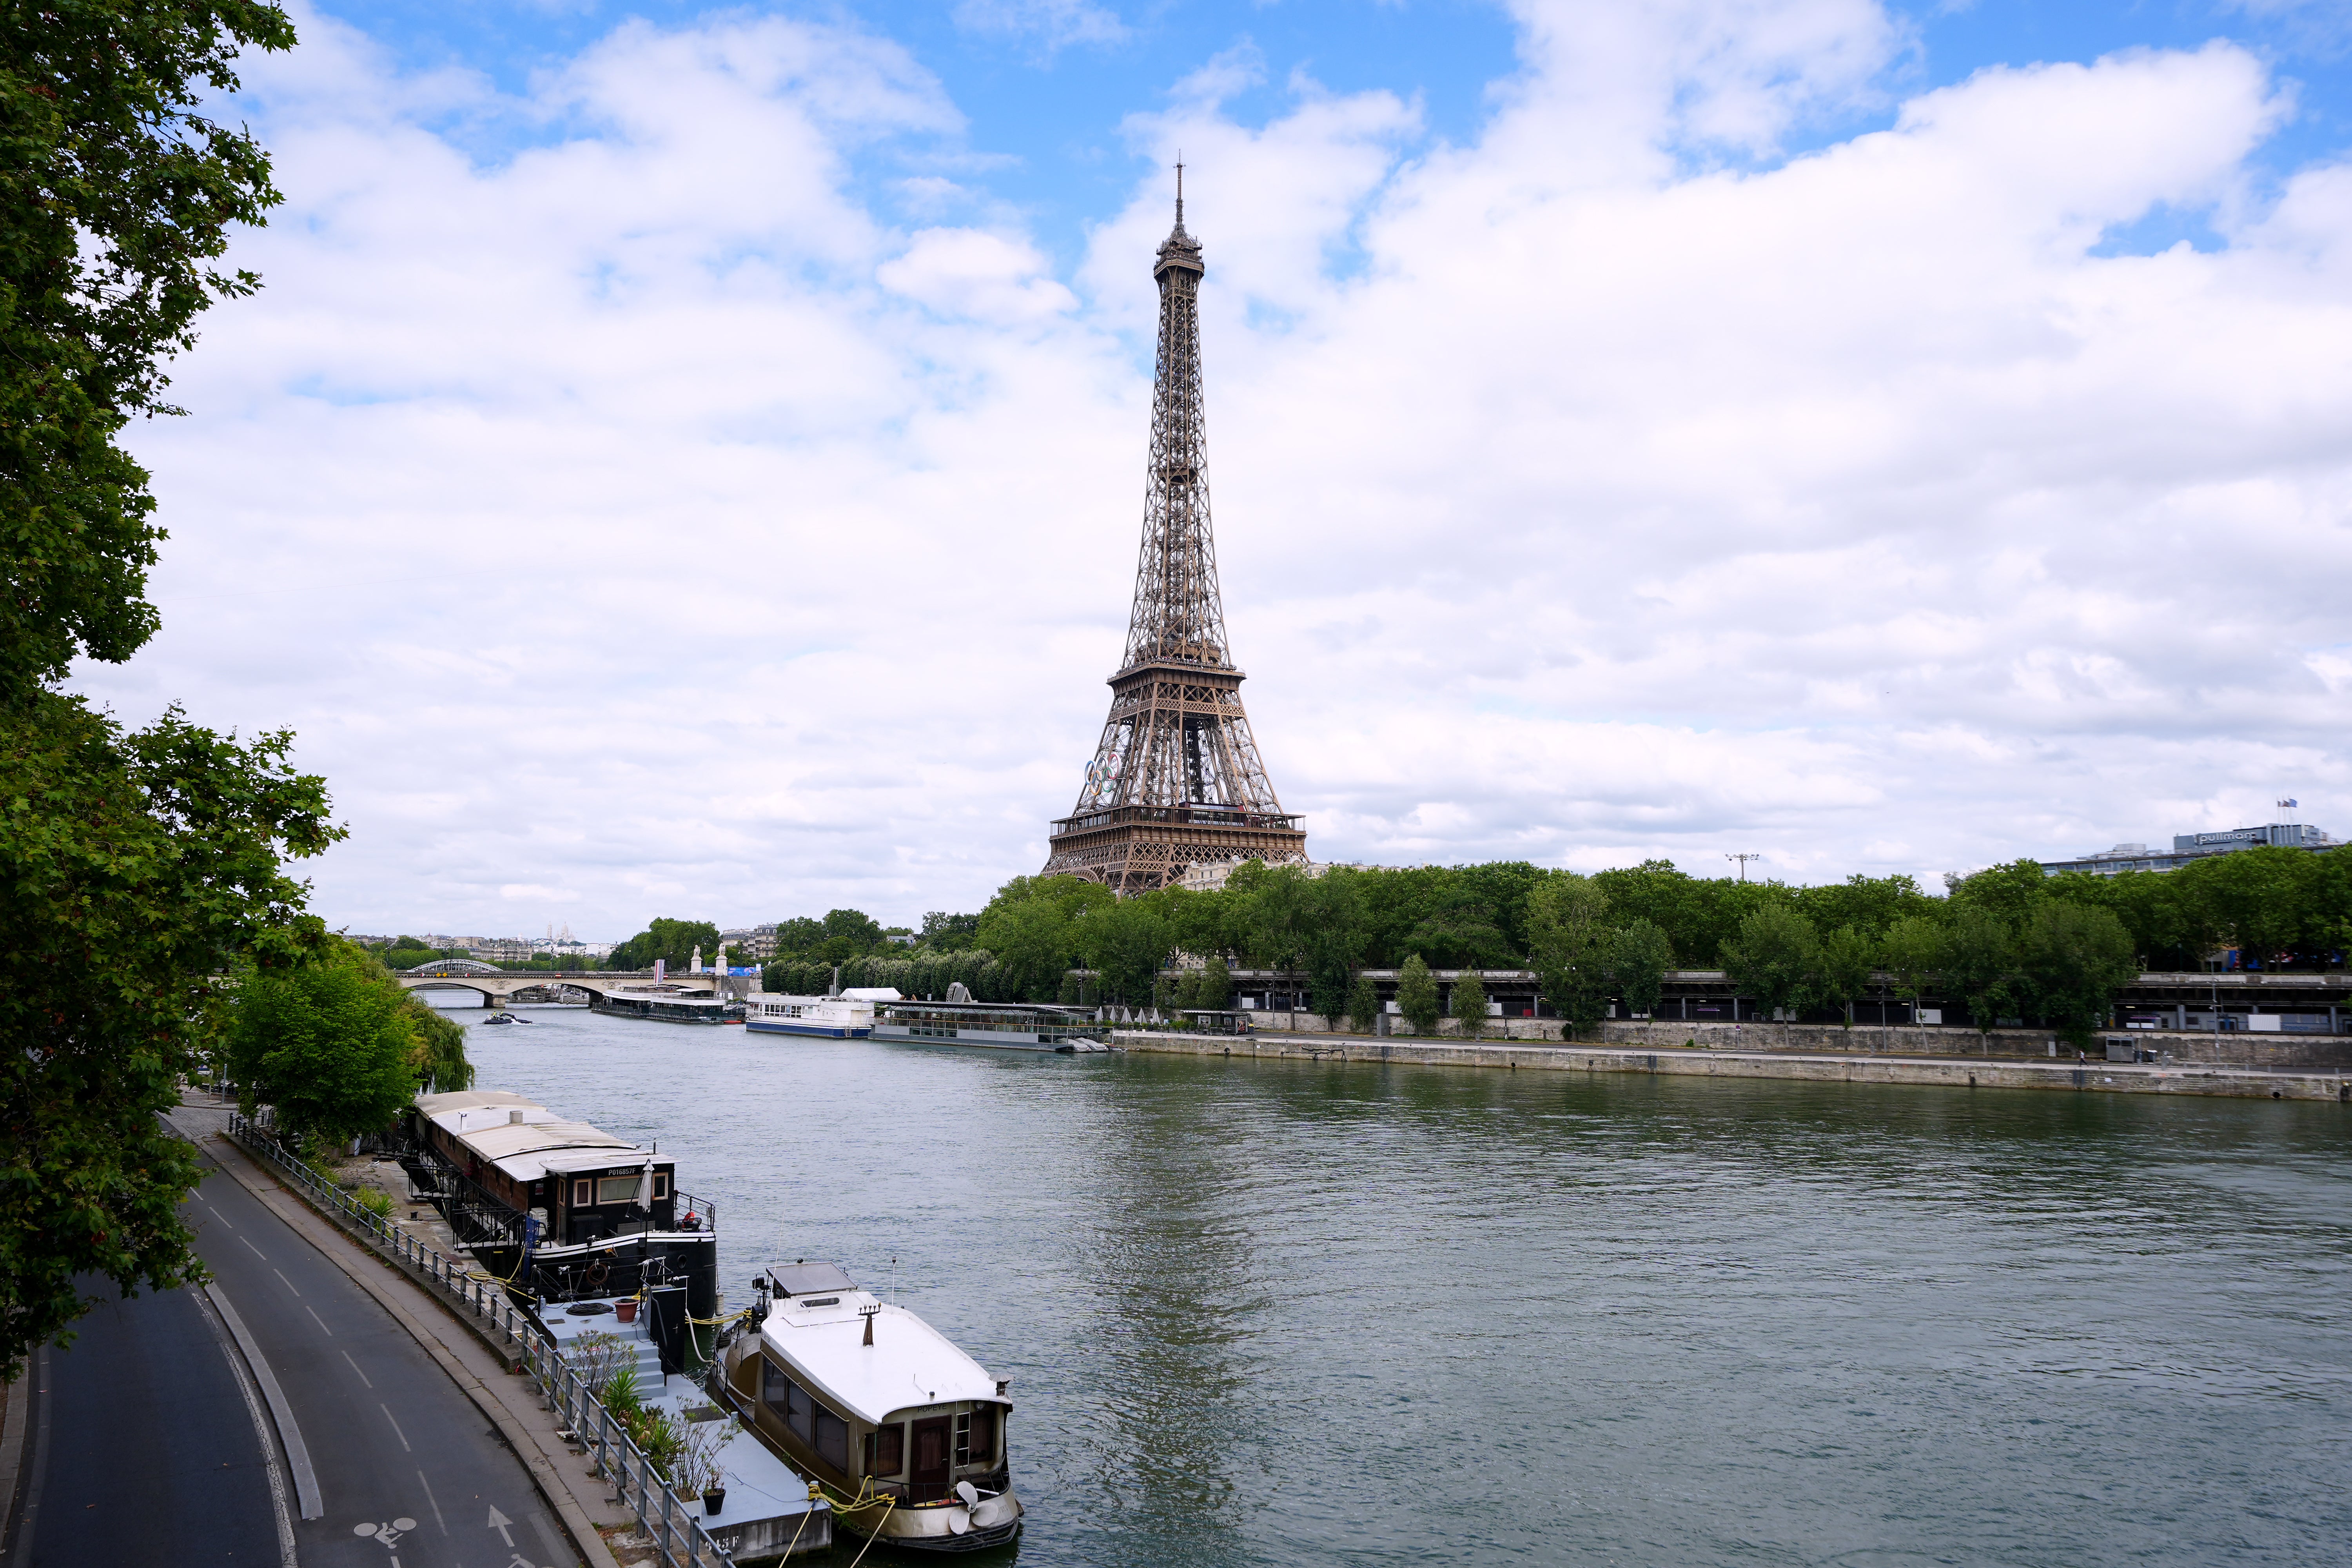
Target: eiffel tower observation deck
(1177,780)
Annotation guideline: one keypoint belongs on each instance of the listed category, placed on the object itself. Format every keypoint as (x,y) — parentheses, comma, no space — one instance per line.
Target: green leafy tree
(1417,999)
(1031,926)
(1363,1006)
(796,938)
(1978,960)
(1126,942)
(1774,957)
(1848,959)
(1639,957)
(2009,893)
(944,933)
(1216,989)
(441,1061)
(1571,948)
(2259,897)
(1913,953)
(1470,1004)
(2073,959)
(671,942)
(332,1043)
(1333,938)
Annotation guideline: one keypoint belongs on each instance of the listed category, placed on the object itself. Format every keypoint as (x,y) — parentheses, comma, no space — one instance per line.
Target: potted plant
(625,1311)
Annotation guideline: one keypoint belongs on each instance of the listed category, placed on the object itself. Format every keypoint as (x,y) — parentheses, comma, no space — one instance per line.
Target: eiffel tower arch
(1177,779)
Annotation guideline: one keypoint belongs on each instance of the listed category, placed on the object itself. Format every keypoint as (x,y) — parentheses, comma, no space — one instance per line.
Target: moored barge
(559,1211)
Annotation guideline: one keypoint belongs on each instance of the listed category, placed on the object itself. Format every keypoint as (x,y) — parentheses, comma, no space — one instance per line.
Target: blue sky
(688,462)
(1045,89)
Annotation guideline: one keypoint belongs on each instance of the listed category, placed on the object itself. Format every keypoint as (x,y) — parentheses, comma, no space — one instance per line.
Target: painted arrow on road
(499,1522)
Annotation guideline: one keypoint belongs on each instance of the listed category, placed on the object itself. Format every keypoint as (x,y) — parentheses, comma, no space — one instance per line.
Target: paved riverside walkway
(1851,1067)
(347,1443)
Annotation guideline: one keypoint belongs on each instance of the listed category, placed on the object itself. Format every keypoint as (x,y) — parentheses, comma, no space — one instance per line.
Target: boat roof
(908,1364)
(484,1121)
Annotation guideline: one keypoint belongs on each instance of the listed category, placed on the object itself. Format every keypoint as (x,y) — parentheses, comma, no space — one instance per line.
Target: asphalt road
(144,1449)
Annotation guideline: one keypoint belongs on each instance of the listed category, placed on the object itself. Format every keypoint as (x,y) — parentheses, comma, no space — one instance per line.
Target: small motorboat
(504,1019)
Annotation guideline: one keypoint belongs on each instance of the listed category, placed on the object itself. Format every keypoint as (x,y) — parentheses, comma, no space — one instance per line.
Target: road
(148,1437)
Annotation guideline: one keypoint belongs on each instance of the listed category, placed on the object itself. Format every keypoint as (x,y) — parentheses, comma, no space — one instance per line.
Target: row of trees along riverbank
(2008,941)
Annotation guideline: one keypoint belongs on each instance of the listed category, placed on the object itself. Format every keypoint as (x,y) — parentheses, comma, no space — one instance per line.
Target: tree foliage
(1774,958)
(334,1043)
(1572,947)
(1639,957)
(137,867)
(671,942)
(1417,1000)
(1470,1004)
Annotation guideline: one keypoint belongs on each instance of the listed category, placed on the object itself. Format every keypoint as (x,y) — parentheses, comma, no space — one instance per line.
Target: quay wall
(2237,1048)
(1948,1072)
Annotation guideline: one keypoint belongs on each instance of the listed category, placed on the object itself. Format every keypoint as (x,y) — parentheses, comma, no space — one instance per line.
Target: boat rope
(876,1534)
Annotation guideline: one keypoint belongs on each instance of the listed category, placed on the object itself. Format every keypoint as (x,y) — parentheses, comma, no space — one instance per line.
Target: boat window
(661,1186)
(832,1440)
(984,1434)
(886,1448)
(584,1195)
(618,1189)
(775,1388)
(799,1408)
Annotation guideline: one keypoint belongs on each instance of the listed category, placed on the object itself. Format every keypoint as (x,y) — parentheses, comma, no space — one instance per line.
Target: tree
(1847,961)
(1216,993)
(2258,896)
(2009,892)
(2074,960)
(1977,959)
(1417,999)
(1639,957)
(1363,1006)
(1030,926)
(1332,920)
(1470,1004)
(1570,948)
(134,869)
(441,1062)
(801,934)
(944,933)
(1913,953)
(1125,944)
(331,1043)
(670,941)
(1775,956)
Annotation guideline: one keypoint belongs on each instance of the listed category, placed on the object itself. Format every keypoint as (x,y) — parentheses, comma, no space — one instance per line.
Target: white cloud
(643,524)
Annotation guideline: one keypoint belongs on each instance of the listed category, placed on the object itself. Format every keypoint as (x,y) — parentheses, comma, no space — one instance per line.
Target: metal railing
(677,1535)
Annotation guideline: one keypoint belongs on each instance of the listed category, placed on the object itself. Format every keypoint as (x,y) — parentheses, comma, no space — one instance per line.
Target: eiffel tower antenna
(1176,780)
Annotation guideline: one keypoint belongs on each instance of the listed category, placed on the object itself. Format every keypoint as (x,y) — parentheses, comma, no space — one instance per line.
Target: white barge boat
(848,1016)
(903,1433)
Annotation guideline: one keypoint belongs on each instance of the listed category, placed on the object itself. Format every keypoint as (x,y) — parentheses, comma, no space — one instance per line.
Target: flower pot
(713,1501)
(626,1311)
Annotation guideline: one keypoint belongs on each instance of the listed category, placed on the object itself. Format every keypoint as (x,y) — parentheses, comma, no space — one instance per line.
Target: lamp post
(1743,860)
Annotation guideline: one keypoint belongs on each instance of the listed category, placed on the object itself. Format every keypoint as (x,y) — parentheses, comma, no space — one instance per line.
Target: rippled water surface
(1262,1312)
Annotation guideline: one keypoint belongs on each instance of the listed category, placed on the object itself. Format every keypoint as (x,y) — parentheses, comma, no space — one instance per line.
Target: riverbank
(1946,1072)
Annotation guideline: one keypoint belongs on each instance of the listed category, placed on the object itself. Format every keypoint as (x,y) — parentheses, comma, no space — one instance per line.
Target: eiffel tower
(1177,780)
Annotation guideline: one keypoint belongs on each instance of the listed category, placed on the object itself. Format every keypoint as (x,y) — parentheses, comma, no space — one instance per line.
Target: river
(1286,1313)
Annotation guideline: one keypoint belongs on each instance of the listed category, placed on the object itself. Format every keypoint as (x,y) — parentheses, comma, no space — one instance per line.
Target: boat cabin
(586,1184)
(867,1397)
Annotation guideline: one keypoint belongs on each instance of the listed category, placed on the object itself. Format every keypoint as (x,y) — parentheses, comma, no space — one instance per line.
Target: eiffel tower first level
(1177,780)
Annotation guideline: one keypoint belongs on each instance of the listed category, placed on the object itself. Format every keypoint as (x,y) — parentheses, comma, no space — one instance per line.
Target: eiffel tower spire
(1177,779)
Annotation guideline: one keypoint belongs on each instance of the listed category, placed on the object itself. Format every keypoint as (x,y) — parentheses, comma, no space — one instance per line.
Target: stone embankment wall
(1946,1072)
(2325,1052)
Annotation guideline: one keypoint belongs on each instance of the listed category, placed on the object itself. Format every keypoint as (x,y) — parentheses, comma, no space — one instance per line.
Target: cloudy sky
(689,462)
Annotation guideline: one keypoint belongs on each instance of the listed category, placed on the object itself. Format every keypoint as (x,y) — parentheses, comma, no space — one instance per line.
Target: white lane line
(256,1251)
(355,1367)
(434,1501)
(217,1213)
(396,1426)
(261,1436)
(285,1281)
(318,1320)
(298,1458)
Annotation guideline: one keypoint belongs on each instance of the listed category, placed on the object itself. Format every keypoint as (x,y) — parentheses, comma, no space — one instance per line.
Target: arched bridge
(497,985)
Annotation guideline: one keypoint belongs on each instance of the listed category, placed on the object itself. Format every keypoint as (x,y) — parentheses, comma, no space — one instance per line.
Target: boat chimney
(868,1312)
(514,1117)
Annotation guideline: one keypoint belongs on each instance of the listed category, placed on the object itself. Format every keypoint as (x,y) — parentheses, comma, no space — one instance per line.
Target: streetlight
(1743,860)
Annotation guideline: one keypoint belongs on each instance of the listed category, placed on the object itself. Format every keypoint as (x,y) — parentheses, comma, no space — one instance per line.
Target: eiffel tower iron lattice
(1177,780)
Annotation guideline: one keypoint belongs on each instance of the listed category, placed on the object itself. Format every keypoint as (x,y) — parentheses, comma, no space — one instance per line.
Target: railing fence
(677,1535)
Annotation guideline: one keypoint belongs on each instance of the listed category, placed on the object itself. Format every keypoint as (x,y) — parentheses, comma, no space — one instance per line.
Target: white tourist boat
(904,1433)
(848,1016)
(1003,1026)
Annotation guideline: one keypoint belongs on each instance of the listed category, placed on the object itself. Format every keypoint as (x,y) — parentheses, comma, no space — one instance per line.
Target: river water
(1260,1312)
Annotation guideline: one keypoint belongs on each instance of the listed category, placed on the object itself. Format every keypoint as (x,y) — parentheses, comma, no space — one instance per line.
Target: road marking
(355,1367)
(217,1213)
(318,1320)
(256,1370)
(434,1501)
(499,1522)
(396,1426)
(256,1251)
(285,1281)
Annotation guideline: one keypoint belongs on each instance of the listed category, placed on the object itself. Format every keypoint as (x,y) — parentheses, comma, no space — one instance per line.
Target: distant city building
(1210,876)
(2189,847)
(759,941)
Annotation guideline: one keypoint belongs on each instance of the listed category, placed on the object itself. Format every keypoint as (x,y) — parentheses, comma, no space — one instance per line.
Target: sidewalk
(596,1523)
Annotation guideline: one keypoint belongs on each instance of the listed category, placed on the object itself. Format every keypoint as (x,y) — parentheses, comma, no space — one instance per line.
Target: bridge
(498,985)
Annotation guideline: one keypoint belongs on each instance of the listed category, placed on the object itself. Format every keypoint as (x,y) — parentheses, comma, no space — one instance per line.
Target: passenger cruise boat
(903,1431)
(1008,1026)
(848,1016)
(669,1007)
(561,1211)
